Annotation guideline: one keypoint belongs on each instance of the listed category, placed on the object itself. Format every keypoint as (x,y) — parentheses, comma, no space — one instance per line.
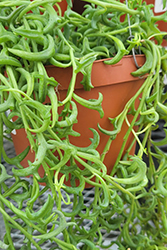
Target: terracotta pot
(117,86)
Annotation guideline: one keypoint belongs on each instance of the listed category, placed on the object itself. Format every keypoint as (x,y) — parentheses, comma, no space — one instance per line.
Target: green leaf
(61,226)
(91,104)
(90,244)
(164,4)
(162,110)
(137,171)
(85,62)
(95,142)
(3,245)
(3,176)
(161,142)
(69,3)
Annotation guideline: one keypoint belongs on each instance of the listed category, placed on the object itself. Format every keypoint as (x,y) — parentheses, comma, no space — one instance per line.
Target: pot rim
(101,60)
(102,74)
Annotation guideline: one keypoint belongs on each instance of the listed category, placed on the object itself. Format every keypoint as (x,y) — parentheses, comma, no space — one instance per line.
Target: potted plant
(128,197)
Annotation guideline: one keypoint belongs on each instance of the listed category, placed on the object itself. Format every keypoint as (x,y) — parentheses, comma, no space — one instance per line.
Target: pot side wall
(117,88)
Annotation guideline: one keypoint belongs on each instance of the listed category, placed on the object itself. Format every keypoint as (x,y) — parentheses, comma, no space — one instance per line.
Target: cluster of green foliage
(132,199)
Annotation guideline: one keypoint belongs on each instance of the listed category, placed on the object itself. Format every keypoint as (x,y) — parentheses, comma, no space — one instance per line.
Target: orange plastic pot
(116,84)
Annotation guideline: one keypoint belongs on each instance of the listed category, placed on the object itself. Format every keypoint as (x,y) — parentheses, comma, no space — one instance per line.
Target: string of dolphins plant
(132,199)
